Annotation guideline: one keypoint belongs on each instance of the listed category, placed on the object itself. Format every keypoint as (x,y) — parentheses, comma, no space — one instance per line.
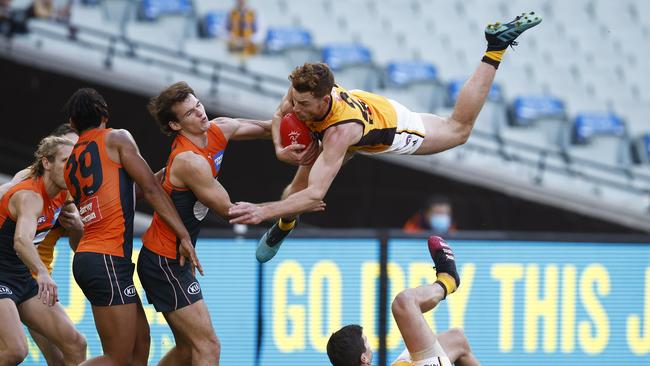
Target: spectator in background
(45,9)
(5,17)
(435,216)
(242,25)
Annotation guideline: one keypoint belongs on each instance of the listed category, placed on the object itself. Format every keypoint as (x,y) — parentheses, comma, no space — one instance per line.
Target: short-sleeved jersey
(159,237)
(374,112)
(9,261)
(104,194)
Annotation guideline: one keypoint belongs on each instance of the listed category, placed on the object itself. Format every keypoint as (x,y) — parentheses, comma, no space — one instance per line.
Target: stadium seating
(585,63)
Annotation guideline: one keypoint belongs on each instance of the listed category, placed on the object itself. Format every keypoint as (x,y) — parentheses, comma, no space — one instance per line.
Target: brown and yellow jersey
(375,113)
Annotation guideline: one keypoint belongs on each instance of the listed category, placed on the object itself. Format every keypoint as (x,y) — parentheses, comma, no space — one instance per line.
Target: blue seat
(454,86)
(538,121)
(152,9)
(420,80)
(590,125)
(599,137)
(352,64)
(338,56)
(403,73)
(214,25)
(526,110)
(280,39)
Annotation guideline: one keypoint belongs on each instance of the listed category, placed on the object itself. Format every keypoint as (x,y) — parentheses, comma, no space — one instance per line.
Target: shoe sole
(526,21)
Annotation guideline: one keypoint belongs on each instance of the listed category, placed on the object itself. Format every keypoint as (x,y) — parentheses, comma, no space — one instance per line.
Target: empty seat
(536,120)
(599,137)
(352,65)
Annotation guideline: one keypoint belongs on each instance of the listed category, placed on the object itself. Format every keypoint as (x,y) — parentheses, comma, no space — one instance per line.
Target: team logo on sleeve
(194,288)
(217,159)
(41,220)
(4,290)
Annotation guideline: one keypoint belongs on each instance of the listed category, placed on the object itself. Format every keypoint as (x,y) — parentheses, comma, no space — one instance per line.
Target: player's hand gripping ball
(294,131)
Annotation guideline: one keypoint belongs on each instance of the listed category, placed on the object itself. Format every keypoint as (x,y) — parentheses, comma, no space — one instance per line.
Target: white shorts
(435,356)
(409,134)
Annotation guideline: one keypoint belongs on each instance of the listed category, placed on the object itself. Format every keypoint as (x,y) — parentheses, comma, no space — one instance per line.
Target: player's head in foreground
(312,85)
(50,158)
(176,108)
(86,109)
(349,347)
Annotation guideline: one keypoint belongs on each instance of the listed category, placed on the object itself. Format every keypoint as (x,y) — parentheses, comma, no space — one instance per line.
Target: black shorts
(168,286)
(106,280)
(18,287)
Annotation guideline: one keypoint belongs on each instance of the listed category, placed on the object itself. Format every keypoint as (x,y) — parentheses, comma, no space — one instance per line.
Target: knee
(210,347)
(403,302)
(461,340)
(74,344)
(15,353)
(79,342)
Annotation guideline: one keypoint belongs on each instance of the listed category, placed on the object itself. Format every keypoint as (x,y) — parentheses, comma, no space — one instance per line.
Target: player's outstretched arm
(335,144)
(139,171)
(244,129)
(195,173)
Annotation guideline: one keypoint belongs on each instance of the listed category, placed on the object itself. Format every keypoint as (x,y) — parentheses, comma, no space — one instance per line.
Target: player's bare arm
(27,206)
(123,149)
(192,171)
(244,129)
(336,142)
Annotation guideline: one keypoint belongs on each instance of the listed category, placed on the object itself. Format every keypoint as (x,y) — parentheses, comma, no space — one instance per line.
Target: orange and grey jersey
(104,194)
(375,113)
(159,237)
(9,261)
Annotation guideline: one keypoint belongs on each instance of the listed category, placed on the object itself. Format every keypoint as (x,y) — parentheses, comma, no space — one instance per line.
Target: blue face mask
(440,223)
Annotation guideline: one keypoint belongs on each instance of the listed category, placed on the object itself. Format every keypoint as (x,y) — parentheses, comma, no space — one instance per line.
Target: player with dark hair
(349,347)
(190,179)
(28,210)
(100,175)
(353,121)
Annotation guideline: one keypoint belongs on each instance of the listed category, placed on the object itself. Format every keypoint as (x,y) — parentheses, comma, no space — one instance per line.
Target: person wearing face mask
(435,216)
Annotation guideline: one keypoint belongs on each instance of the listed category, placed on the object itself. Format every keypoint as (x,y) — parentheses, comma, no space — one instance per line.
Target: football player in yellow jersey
(52,355)
(349,347)
(358,121)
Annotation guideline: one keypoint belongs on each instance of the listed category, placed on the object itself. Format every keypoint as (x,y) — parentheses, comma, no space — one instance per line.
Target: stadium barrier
(527,299)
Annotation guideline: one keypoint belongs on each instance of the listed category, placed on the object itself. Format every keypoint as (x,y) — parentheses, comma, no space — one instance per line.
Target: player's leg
(180,354)
(457,347)
(142,338)
(194,326)
(409,305)
(13,342)
(52,354)
(117,328)
(445,133)
(271,241)
(53,323)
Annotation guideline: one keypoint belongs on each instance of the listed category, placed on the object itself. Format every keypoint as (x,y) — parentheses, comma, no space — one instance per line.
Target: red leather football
(294,131)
